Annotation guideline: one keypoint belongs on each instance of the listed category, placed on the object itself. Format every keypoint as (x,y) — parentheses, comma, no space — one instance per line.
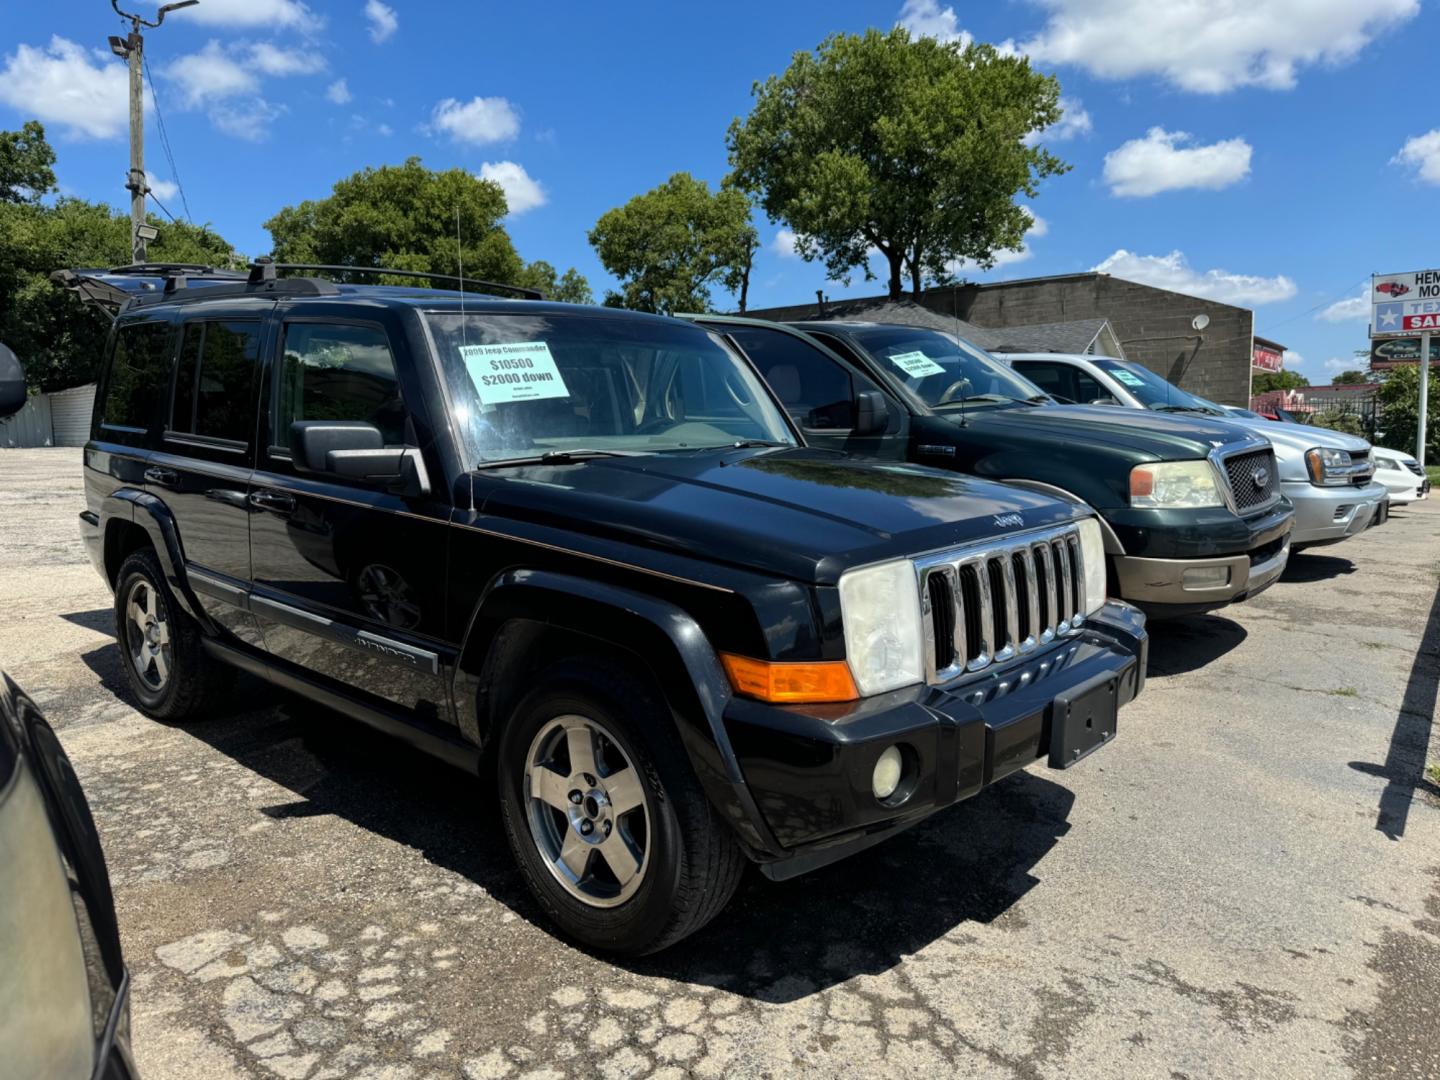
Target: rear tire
(640,859)
(170,675)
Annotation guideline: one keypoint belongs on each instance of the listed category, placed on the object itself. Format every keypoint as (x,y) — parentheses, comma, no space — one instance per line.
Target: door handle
(277,501)
(163,477)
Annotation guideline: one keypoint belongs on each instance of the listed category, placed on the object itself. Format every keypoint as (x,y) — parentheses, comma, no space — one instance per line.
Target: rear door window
(215,380)
(139,372)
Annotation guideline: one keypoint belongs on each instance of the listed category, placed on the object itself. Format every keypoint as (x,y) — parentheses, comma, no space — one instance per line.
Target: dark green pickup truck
(1192,510)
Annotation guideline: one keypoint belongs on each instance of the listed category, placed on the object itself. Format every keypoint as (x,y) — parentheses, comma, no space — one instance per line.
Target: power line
(161,205)
(1323,303)
(165,145)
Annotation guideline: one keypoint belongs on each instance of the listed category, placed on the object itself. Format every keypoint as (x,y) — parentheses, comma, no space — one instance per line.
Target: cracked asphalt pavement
(1246,883)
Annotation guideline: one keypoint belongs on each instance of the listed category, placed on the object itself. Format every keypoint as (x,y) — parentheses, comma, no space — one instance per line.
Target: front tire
(605,817)
(165,663)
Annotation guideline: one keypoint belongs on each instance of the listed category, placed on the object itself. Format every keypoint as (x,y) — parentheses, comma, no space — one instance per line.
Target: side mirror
(872,413)
(356,451)
(1106,400)
(12,384)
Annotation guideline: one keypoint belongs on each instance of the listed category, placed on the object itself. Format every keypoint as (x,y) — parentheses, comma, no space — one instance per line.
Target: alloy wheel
(147,635)
(587,811)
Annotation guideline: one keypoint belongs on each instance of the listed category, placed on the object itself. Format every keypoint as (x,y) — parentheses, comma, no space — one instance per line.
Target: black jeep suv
(584,553)
(1186,526)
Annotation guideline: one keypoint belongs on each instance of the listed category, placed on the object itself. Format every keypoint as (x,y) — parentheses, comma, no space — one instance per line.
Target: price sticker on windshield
(518,371)
(916,364)
(1129,378)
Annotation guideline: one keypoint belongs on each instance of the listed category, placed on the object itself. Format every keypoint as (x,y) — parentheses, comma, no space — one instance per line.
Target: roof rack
(166,269)
(263,269)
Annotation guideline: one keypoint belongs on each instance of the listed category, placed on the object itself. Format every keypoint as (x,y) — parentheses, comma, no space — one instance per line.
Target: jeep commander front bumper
(809,767)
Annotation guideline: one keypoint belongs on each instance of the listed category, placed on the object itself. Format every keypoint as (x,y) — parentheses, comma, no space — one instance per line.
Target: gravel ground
(1247,883)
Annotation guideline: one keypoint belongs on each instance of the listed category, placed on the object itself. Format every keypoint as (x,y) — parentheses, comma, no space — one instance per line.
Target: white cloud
(1336,364)
(1005,257)
(479,120)
(267,14)
(1354,307)
(1074,121)
(926,18)
(161,189)
(210,75)
(784,244)
(385,129)
(1174,273)
(1211,47)
(1422,153)
(85,93)
(249,119)
(382,18)
(522,192)
(1160,162)
(274,60)
(338,92)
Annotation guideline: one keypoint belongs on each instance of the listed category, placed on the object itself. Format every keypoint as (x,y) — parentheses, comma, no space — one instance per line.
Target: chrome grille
(1361,457)
(1240,472)
(989,603)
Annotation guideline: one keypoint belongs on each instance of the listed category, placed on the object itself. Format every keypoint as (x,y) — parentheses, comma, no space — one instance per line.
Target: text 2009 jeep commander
(584,552)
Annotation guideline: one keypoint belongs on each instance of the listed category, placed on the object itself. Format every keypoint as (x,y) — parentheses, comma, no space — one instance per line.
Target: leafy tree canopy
(1400,411)
(58,339)
(1278,380)
(910,147)
(669,246)
(1351,378)
(412,218)
(26,164)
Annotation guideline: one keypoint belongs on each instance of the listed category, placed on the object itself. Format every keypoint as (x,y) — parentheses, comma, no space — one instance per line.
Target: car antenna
(460,269)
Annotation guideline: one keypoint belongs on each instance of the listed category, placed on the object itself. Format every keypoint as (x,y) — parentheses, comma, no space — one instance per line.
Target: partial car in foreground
(1327,475)
(64,1001)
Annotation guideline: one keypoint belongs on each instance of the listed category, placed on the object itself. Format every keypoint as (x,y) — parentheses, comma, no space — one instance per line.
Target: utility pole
(132,49)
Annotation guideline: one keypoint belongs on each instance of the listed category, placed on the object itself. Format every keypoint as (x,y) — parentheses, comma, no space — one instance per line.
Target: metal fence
(31,426)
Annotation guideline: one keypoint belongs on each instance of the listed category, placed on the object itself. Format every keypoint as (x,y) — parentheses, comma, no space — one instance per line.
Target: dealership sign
(1404,303)
(1267,359)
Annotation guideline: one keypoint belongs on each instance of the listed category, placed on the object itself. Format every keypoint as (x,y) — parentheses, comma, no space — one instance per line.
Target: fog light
(1206,577)
(886,778)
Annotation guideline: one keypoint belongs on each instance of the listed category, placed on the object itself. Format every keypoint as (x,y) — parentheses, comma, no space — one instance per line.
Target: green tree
(410,218)
(669,246)
(1400,411)
(909,147)
(58,339)
(569,287)
(26,164)
(1339,420)
(1278,380)
(1351,378)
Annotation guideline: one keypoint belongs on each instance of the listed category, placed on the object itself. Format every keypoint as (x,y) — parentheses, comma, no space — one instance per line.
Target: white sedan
(1401,474)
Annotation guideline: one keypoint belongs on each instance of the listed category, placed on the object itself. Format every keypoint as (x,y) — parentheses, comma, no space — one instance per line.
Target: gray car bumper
(1327,515)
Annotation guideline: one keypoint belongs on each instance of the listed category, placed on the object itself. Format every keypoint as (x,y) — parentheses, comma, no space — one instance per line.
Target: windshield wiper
(558,457)
(1001,399)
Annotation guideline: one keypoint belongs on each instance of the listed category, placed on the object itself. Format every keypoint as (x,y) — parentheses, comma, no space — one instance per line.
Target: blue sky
(1231,148)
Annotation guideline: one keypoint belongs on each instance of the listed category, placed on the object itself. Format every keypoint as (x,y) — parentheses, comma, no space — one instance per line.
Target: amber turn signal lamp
(790,683)
(1142,482)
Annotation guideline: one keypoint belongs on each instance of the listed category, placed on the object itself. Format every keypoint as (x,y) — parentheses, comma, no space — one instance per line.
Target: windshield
(1152,391)
(944,371)
(526,385)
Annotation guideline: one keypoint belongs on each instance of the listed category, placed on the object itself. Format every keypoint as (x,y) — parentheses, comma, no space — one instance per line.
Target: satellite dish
(1200,322)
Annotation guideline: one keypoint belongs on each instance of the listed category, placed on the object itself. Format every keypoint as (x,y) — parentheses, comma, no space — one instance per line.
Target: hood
(1148,435)
(1302,437)
(802,514)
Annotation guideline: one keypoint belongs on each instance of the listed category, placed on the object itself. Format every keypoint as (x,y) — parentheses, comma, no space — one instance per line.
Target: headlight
(1092,554)
(881,609)
(1175,484)
(1328,467)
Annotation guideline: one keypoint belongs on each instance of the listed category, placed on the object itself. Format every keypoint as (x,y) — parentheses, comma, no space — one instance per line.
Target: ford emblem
(1009,521)
(1261,475)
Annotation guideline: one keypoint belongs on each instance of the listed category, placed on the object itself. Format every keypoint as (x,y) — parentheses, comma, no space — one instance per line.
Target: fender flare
(1112,542)
(152,515)
(663,638)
